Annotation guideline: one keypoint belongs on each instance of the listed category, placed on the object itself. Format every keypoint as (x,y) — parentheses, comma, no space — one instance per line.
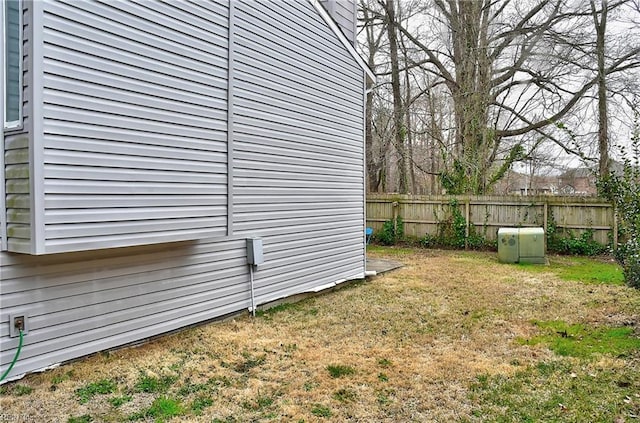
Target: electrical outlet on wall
(18,322)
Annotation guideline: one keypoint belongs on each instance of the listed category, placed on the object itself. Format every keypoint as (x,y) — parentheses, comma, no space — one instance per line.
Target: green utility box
(521,245)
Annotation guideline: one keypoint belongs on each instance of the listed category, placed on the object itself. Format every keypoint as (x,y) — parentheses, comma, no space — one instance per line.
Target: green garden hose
(15,358)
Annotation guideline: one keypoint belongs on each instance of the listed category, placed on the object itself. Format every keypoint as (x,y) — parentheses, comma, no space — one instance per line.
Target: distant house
(578,181)
(143,143)
(515,183)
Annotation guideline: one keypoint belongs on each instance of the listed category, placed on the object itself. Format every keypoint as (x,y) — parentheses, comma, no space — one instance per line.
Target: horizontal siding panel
(84,230)
(62,186)
(277,200)
(132,175)
(297,225)
(18,201)
(286,175)
(273,53)
(114,200)
(308,17)
(57,102)
(353,192)
(291,242)
(180,91)
(53,217)
(273,162)
(78,338)
(289,146)
(17,186)
(254,113)
(121,333)
(269,278)
(16,245)
(282,34)
(293,183)
(71,296)
(278,109)
(305,252)
(157,158)
(18,230)
(271,135)
(109,120)
(132,239)
(58,59)
(126,289)
(311,282)
(101,24)
(124,334)
(268,20)
(308,278)
(19,216)
(16,171)
(252,63)
(198,13)
(168,303)
(13,142)
(266,216)
(18,272)
(17,156)
(64,88)
(249,77)
(131,137)
(66,48)
(184,19)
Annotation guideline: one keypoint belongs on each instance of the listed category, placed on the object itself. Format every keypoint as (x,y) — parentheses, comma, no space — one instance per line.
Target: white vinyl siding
(80,303)
(134,123)
(298,175)
(345,13)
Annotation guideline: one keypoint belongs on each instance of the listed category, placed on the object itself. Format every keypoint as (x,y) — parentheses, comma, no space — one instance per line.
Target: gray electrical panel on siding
(134,143)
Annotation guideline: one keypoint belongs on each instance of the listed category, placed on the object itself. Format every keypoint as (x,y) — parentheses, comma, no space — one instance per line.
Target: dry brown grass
(417,338)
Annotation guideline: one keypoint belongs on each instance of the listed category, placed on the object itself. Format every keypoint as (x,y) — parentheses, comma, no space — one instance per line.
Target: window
(13,63)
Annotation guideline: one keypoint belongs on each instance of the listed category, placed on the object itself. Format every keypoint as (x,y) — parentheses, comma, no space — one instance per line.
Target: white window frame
(14,124)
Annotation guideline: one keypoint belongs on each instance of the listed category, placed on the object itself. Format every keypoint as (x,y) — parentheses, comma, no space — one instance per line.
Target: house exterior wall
(295,148)
(345,13)
(298,171)
(134,116)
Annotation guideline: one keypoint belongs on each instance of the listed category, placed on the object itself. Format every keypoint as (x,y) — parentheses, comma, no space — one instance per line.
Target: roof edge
(371,77)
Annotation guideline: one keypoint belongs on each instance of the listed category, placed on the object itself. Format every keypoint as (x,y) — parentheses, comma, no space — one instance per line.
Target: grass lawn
(452,336)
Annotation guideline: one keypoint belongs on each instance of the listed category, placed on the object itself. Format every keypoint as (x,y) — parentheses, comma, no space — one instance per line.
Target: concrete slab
(382,265)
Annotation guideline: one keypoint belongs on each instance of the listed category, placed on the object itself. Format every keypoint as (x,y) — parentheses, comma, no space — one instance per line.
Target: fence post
(615,227)
(466,227)
(394,207)
(545,220)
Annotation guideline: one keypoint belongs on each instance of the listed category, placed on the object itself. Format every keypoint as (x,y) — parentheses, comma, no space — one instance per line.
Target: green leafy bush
(391,232)
(452,232)
(624,191)
(582,245)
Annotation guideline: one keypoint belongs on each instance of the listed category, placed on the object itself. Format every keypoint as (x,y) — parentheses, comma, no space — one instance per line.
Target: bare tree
(506,76)
(376,153)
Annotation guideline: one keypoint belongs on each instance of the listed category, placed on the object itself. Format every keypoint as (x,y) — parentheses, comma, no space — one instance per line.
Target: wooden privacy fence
(423,215)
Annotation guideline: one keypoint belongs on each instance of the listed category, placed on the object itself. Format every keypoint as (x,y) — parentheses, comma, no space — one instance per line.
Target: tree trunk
(398,119)
(603,118)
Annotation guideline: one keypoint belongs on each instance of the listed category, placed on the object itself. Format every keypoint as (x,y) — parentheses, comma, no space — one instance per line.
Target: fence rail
(424,215)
